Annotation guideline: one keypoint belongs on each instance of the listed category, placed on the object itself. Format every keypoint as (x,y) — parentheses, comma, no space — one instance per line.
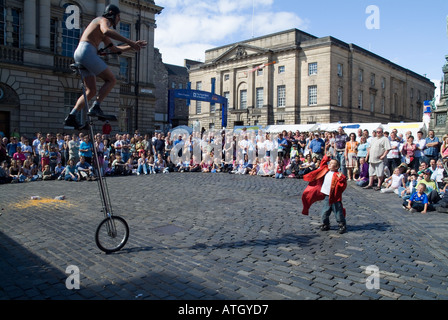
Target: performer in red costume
(326,183)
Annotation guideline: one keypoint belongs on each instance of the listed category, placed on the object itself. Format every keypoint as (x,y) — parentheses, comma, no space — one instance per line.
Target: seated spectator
(439,174)
(418,202)
(47,174)
(58,171)
(142,166)
(84,168)
(194,165)
(393,182)
(363,178)
(28,174)
(4,173)
(408,189)
(255,168)
(151,165)
(15,171)
(307,166)
(267,168)
(71,173)
(294,167)
(170,166)
(160,164)
(279,169)
(119,167)
(431,190)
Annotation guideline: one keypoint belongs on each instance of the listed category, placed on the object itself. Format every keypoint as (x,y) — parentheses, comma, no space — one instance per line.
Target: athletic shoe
(412,210)
(324,227)
(71,121)
(95,111)
(342,229)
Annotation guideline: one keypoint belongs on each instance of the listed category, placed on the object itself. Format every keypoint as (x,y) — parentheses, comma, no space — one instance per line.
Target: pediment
(240,51)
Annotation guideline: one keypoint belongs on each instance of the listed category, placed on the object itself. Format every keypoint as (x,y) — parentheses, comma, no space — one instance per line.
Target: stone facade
(292,77)
(37,84)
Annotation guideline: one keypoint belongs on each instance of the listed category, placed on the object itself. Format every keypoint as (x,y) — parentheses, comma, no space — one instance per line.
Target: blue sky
(411,33)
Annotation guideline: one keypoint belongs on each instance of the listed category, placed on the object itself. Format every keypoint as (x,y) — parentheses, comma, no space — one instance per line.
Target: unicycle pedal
(105,117)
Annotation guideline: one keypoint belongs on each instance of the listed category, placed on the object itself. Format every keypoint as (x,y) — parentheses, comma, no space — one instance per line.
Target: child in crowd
(279,169)
(395,181)
(418,202)
(363,178)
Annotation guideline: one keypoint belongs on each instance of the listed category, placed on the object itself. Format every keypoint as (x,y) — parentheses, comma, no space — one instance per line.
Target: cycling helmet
(110,13)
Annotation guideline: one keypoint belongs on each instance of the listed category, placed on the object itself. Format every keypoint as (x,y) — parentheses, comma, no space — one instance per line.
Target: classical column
(44,24)
(29,24)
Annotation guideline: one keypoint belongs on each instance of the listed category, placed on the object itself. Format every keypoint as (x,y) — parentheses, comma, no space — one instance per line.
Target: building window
(340,68)
(125,30)
(361,75)
(280,122)
(281,96)
(15,28)
(340,91)
(411,112)
(243,99)
(227,96)
(259,72)
(259,98)
(124,69)
(226,77)
(372,80)
(53,35)
(383,105)
(198,103)
(383,83)
(312,68)
(312,95)
(281,69)
(360,99)
(412,93)
(372,103)
(2,22)
(70,37)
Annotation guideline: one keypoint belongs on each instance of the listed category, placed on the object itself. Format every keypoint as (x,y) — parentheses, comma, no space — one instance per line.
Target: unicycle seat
(77,66)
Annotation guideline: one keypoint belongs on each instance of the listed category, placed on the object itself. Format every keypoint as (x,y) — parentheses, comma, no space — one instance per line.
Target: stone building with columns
(37,42)
(292,77)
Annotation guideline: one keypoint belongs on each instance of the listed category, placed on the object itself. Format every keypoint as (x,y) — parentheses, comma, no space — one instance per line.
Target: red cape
(315,178)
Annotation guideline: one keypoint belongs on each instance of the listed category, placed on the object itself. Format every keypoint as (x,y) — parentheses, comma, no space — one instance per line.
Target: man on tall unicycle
(88,54)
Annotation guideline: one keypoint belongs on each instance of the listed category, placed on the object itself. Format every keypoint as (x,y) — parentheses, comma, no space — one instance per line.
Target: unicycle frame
(102,184)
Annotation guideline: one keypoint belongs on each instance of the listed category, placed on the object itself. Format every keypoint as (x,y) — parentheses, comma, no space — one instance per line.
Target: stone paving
(196,236)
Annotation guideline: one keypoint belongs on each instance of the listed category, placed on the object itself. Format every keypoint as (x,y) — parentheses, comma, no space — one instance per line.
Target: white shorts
(87,55)
(376,169)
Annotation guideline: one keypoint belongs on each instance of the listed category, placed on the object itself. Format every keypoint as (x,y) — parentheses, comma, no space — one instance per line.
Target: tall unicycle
(113,232)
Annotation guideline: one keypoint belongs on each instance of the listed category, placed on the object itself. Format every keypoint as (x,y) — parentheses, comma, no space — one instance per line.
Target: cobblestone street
(201,236)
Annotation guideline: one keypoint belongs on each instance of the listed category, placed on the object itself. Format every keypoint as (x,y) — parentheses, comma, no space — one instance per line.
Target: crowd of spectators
(383,161)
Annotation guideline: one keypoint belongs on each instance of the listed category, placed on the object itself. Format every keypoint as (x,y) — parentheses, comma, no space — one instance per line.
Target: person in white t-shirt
(394,182)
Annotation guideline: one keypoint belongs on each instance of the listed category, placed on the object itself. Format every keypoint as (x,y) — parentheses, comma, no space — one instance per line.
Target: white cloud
(186,28)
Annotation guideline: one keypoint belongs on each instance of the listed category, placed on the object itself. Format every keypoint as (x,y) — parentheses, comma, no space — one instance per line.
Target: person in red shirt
(107,128)
(326,184)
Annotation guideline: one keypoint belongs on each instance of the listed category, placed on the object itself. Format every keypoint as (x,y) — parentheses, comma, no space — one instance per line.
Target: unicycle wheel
(112,234)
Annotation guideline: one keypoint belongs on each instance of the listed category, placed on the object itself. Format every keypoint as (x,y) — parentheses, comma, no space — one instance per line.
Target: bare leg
(109,83)
(90,85)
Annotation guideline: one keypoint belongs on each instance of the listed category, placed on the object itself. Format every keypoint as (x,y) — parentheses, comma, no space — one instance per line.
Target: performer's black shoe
(71,121)
(342,228)
(324,227)
(95,111)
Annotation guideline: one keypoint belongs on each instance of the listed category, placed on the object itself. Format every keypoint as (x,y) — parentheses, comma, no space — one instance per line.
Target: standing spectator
(107,128)
(420,142)
(317,146)
(408,151)
(432,147)
(362,148)
(351,149)
(11,147)
(393,158)
(86,148)
(379,147)
(159,146)
(73,148)
(444,148)
(340,141)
